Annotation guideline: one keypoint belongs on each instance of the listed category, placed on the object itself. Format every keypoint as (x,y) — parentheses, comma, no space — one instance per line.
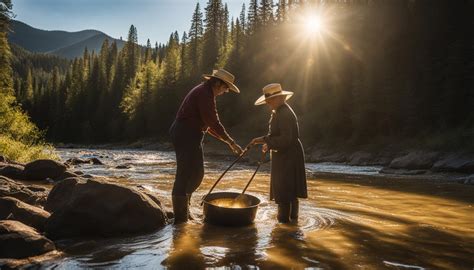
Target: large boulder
(30,194)
(414,161)
(12,171)
(455,163)
(96,207)
(18,240)
(11,208)
(42,169)
(61,193)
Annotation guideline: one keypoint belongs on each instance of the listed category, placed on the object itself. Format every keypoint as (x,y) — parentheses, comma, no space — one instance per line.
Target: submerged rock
(42,169)
(18,240)
(92,207)
(14,209)
(31,194)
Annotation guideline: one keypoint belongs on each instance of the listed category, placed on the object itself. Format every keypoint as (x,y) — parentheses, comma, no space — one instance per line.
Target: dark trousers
(187,144)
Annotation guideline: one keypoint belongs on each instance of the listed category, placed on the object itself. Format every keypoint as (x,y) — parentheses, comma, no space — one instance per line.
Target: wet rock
(455,163)
(336,158)
(13,171)
(387,170)
(30,194)
(66,174)
(100,208)
(123,167)
(60,193)
(42,169)
(14,209)
(79,172)
(96,161)
(414,161)
(361,159)
(18,240)
(88,176)
(76,161)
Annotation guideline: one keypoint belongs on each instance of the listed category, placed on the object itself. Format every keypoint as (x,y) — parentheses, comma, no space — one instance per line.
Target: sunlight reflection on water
(343,222)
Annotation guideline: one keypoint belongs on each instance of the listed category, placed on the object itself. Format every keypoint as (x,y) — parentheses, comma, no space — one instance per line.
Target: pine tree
(281,11)
(148,52)
(195,35)
(211,34)
(265,12)
(184,65)
(252,17)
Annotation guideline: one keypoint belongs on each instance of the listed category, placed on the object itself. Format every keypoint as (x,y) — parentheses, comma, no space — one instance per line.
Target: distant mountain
(93,43)
(61,43)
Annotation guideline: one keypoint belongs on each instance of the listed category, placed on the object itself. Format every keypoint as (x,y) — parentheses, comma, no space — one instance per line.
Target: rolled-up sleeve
(208,112)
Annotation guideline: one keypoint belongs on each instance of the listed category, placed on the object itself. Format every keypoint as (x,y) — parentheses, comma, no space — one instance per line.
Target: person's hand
(265,148)
(258,140)
(236,148)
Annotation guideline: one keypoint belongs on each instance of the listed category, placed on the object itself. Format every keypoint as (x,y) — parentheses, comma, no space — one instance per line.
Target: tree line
(377,71)
(20,139)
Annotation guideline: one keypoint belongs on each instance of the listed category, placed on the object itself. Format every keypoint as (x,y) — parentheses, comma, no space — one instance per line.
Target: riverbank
(414,164)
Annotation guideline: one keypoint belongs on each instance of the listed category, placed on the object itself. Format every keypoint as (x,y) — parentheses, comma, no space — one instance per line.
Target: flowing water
(346,223)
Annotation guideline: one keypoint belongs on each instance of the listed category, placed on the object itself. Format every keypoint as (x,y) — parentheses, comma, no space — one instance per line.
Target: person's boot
(180,209)
(283,215)
(190,215)
(295,205)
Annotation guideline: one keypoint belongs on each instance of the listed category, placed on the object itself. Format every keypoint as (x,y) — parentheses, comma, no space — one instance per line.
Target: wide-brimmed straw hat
(270,91)
(225,76)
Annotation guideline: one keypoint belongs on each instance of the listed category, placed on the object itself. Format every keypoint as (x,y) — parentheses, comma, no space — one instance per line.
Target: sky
(154,19)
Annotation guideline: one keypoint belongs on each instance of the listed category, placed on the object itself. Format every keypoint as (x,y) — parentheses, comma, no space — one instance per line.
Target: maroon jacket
(198,110)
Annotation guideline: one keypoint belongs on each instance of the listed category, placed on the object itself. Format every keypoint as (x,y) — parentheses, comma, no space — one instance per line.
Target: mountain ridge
(58,42)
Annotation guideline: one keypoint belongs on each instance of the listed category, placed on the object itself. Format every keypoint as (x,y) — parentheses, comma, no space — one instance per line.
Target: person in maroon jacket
(196,116)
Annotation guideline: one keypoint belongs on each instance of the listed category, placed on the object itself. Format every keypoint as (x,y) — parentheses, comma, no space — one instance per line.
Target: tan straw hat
(272,90)
(225,76)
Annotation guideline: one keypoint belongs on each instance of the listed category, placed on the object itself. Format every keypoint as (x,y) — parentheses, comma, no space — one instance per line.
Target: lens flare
(313,24)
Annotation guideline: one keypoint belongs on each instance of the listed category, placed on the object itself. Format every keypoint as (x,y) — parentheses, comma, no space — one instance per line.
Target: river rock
(96,207)
(14,209)
(96,161)
(13,171)
(66,174)
(30,194)
(42,169)
(18,240)
(76,161)
(414,161)
(361,159)
(388,170)
(455,163)
(122,167)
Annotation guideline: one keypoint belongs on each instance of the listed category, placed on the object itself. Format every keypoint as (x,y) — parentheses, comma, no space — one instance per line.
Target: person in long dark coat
(196,116)
(288,177)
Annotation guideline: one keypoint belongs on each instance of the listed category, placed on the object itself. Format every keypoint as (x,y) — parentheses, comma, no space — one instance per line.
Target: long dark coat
(288,177)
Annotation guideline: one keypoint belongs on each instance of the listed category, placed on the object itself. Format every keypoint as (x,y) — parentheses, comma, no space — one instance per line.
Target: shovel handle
(222,175)
(262,160)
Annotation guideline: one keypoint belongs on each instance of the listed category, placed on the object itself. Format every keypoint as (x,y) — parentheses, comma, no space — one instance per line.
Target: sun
(313,24)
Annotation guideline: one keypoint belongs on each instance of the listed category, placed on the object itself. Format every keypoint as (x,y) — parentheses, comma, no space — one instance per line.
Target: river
(346,223)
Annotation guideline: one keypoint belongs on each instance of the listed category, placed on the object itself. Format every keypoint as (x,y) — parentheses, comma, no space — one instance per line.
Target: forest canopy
(362,71)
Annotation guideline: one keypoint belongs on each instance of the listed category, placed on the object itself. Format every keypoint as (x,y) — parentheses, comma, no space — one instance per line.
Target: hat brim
(263,100)
(232,86)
